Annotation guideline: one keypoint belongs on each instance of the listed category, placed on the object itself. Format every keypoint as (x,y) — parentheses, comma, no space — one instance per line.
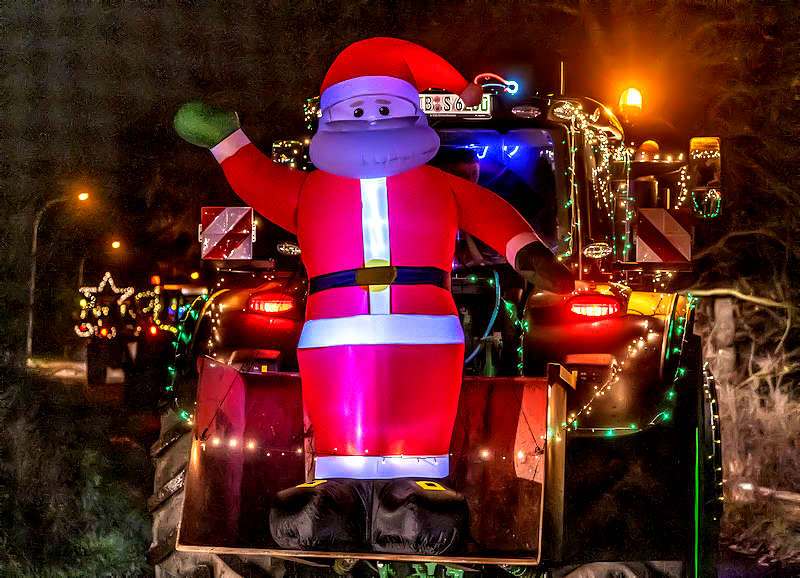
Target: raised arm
(271,189)
(494,221)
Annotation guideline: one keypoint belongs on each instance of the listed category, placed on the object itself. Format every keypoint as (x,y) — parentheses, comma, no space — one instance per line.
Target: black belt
(366,276)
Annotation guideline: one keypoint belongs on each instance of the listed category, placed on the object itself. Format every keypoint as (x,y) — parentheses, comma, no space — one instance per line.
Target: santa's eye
(358,112)
(384,110)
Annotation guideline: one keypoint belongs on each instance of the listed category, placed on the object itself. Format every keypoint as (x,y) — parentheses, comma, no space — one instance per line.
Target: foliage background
(72,488)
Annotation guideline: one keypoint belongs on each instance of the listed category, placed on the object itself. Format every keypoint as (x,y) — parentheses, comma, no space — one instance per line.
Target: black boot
(322,515)
(418,517)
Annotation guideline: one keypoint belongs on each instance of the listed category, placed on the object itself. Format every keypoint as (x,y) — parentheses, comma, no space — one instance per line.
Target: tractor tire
(170,455)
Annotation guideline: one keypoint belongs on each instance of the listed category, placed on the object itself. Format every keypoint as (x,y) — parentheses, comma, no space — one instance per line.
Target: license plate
(451,105)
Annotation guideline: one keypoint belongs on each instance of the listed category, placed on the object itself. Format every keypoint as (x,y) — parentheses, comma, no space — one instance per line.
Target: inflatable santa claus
(382,349)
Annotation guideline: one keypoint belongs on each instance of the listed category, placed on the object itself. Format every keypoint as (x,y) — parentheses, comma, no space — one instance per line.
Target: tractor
(587,429)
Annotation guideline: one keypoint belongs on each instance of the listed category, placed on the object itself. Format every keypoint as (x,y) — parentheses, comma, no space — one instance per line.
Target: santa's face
(369,136)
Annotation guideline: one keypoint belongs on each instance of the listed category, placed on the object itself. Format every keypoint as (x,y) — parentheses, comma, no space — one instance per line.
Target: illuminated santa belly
(381,388)
(380,326)
(382,411)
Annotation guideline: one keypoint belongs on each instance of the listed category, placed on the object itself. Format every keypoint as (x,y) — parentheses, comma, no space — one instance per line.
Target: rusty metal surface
(166,491)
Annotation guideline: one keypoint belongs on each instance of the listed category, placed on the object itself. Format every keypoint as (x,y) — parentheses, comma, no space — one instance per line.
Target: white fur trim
(381,467)
(393,329)
(368,85)
(229,145)
(518,242)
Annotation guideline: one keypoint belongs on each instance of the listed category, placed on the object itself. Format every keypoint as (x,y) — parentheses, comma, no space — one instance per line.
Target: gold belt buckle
(376,277)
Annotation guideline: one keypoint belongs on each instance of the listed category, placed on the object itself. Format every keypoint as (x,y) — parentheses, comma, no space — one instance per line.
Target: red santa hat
(392,66)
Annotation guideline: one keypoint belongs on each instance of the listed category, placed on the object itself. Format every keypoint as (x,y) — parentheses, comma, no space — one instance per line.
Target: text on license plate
(452,105)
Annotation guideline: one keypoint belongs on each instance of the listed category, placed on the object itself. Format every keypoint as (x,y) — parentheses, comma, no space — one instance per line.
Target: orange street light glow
(83,196)
(115,244)
(195,275)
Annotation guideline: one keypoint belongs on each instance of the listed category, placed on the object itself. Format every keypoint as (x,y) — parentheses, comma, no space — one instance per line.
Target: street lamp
(114,245)
(82,196)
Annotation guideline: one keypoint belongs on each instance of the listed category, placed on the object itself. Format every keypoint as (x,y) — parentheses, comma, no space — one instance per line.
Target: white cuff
(517,243)
(229,145)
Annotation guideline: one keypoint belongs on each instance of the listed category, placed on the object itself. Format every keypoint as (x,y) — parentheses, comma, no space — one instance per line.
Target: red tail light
(270,303)
(594,306)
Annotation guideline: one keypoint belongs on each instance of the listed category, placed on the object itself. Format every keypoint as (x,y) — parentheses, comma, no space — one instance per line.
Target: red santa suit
(381,366)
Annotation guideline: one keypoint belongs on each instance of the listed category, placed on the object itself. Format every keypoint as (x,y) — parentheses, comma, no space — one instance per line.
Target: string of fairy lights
(676,329)
(98,319)
(93,314)
(578,123)
(292,153)
(710,205)
(634,347)
(705,154)
(311,111)
(683,186)
(183,338)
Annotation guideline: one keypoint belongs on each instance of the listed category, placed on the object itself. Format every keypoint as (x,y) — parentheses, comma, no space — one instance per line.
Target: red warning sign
(664,236)
(226,233)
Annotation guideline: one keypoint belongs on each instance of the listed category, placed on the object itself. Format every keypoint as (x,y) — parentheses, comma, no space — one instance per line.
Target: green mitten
(204,125)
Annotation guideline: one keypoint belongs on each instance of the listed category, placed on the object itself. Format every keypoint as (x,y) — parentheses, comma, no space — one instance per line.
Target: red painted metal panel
(496,461)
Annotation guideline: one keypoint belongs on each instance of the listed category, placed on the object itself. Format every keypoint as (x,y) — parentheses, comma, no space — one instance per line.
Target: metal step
(168,438)
(168,490)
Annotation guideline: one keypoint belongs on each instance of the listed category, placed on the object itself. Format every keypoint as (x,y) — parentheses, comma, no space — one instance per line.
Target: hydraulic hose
(491,320)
